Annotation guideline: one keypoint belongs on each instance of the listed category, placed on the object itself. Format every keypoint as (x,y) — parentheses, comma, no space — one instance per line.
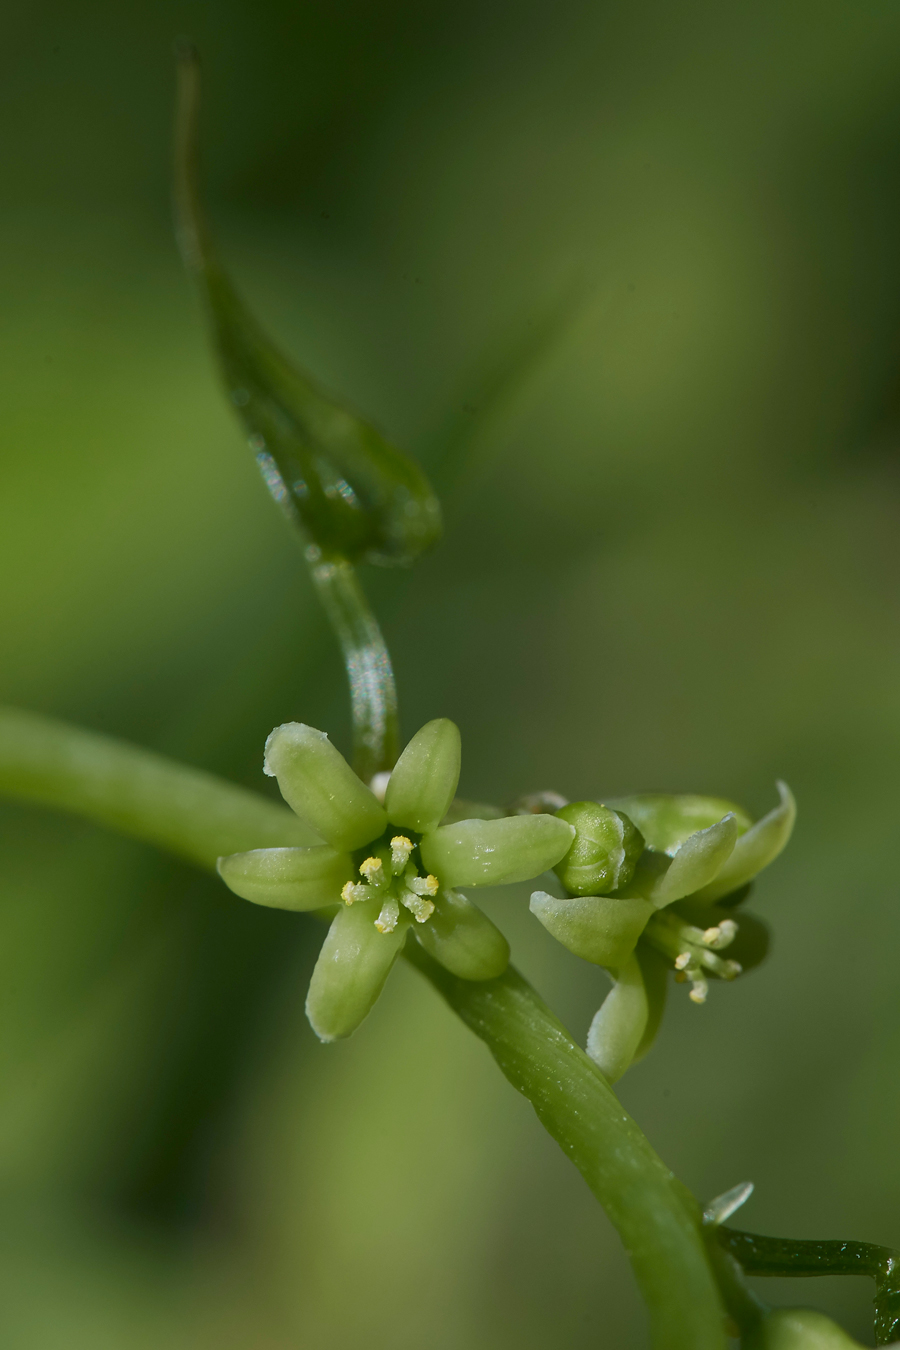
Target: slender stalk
(199,816)
(180,809)
(373,691)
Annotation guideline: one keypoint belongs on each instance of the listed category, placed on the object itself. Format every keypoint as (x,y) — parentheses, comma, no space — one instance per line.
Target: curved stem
(759,1255)
(373,692)
(656,1217)
(200,817)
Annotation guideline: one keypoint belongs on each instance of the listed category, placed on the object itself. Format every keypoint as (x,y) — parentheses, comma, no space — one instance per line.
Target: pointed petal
(655,971)
(463,939)
(698,860)
(424,779)
(318,783)
(618,1027)
(495,852)
(353,965)
(666,820)
(756,849)
(287,878)
(597,928)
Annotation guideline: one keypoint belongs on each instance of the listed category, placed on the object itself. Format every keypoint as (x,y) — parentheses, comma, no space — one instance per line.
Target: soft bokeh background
(626,278)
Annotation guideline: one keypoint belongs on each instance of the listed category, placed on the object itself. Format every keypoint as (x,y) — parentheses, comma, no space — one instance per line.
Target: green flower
(665,874)
(394,866)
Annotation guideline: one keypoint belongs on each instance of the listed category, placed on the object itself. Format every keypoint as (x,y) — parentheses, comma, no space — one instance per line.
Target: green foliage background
(671,562)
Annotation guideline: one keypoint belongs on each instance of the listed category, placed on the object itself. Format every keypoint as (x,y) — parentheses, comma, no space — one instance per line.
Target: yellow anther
(431,885)
(683,960)
(423,885)
(368,868)
(387,919)
(353,891)
(401,848)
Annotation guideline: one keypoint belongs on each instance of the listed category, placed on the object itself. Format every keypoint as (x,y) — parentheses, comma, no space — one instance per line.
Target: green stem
(183,810)
(373,692)
(656,1217)
(758,1255)
(200,817)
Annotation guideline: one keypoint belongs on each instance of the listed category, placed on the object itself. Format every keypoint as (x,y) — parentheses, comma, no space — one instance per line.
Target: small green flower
(394,866)
(669,872)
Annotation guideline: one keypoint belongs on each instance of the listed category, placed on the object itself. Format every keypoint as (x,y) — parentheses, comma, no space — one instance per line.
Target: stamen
(682,961)
(374,873)
(419,908)
(353,891)
(423,885)
(699,991)
(401,848)
(720,936)
(390,913)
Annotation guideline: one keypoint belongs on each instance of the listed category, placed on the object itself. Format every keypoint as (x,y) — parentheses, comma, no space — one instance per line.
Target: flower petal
(287,878)
(618,1027)
(424,779)
(318,783)
(696,863)
(353,965)
(596,928)
(494,852)
(655,970)
(463,939)
(666,820)
(756,849)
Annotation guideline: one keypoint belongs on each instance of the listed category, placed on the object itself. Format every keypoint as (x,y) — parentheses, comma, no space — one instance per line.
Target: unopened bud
(604,852)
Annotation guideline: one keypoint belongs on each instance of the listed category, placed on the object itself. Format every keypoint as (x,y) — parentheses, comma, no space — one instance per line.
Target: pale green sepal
(463,939)
(424,779)
(353,965)
(287,878)
(594,927)
(655,970)
(699,859)
(666,820)
(318,783)
(756,849)
(618,1027)
(799,1329)
(495,852)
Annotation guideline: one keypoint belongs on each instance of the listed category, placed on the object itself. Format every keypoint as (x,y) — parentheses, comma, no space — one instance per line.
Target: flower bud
(800,1329)
(604,852)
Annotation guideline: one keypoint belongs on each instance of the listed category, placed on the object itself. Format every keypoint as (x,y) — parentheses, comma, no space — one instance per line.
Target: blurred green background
(626,278)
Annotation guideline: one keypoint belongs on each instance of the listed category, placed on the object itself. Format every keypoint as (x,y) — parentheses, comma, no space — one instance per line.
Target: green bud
(666,820)
(495,852)
(353,965)
(288,878)
(799,1329)
(318,783)
(601,929)
(604,852)
(756,849)
(424,779)
(352,491)
(463,939)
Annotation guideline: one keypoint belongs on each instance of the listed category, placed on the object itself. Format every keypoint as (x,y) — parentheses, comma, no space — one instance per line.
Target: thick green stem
(373,692)
(200,817)
(656,1218)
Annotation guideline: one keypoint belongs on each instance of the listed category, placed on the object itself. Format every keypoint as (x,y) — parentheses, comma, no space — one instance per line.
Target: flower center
(693,950)
(391,876)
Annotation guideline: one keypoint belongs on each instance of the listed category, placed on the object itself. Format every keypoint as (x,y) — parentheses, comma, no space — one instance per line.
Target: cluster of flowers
(651,882)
